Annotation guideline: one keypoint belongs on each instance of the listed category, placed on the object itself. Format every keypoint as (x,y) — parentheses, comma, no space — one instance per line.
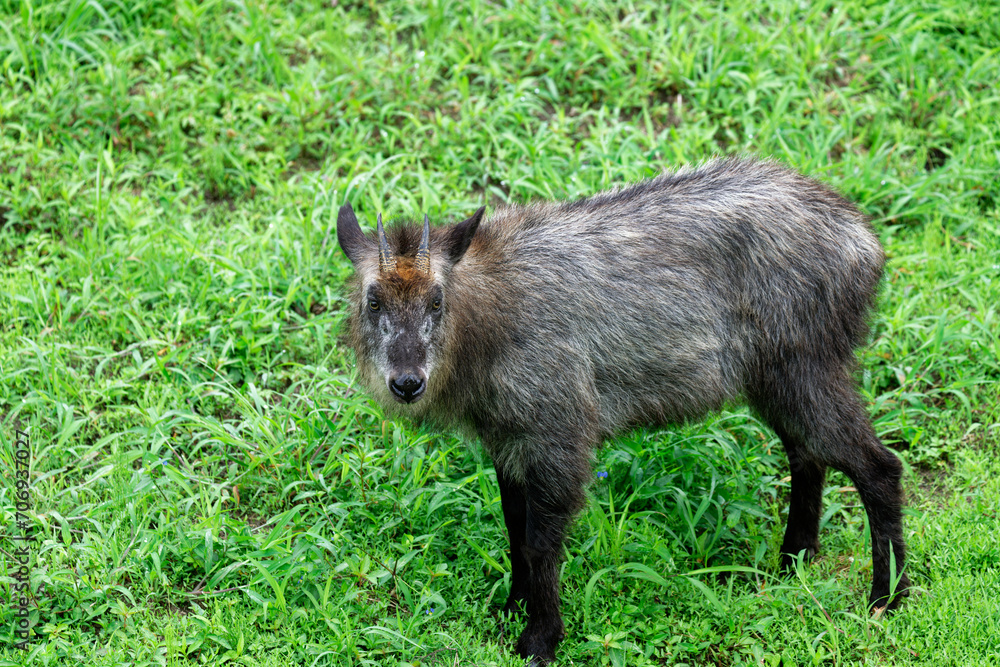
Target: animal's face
(401,319)
(401,306)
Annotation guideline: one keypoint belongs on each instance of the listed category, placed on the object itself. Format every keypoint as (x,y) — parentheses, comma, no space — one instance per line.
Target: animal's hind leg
(823,414)
(806,502)
(876,474)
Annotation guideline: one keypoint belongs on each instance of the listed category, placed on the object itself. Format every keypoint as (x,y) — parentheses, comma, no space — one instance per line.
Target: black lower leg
(543,552)
(823,408)
(876,477)
(805,504)
(515,518)
(538,505)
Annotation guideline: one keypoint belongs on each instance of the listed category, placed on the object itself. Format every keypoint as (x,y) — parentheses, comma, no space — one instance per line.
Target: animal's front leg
(542,551)
(542,472)
(535,535)
(553,494)
(515,518)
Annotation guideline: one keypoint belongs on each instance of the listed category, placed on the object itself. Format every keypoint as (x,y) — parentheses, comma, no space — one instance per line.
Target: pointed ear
(460,236)
(352,241)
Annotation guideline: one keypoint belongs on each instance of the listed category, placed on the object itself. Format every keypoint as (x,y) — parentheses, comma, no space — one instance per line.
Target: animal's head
(401,303)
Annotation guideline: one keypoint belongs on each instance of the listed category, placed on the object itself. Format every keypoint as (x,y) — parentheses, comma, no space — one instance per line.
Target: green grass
(209,488)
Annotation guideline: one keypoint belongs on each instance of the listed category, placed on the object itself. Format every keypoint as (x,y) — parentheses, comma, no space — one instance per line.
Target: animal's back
(663,298)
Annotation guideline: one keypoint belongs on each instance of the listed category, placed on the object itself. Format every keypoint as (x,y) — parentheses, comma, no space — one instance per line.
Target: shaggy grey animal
(547,328)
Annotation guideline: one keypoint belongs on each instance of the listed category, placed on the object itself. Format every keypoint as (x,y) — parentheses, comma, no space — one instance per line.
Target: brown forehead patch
(405,281)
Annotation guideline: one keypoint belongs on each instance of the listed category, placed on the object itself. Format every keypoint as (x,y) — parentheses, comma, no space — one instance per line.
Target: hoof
(540,647)
(790,558)
(882,605)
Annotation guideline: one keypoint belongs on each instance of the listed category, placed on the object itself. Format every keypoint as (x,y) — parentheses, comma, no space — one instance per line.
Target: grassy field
(208,488)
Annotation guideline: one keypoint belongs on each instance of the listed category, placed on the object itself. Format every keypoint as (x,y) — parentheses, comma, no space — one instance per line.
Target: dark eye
(373,305)
(436,304)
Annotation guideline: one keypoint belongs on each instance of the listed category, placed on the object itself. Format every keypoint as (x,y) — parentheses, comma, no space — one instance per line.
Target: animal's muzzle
(407,387)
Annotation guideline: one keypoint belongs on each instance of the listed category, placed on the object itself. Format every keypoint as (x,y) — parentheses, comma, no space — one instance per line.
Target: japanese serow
(547,328)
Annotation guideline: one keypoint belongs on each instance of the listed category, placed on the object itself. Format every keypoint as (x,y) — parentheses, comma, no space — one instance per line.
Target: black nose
(407,387)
